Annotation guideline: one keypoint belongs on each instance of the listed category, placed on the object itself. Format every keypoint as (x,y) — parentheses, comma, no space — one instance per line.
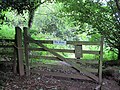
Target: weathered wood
(19,50)
(90,52)
(88,61)
(47,49)
(66,50)
(57,50)
(7,40)
(57,74)
(78,51)
(100,61)
(57,59)
(82,61)
(90,69)
(75,65)
(93,70)
(68,42)
(84,71)
(26,43)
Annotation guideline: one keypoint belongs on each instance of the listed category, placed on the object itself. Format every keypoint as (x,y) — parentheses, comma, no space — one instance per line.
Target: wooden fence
(77,63)
(86,69)
(6,50)
(12,49)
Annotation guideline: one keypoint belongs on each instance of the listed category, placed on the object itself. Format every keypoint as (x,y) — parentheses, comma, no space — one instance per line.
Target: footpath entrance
(86,69)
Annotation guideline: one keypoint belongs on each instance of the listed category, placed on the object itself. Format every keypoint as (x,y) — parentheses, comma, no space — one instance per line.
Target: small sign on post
(59,42)
(78,51)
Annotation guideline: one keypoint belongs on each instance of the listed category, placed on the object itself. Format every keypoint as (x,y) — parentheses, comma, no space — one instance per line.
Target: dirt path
(38,81)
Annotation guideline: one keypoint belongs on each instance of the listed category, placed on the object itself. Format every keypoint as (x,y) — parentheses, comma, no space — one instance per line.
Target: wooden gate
(84,67)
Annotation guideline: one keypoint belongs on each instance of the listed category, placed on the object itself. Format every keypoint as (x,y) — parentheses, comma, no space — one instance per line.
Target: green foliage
(82,21)
(47,25)
(13,19)
(7,32)
(109,55)
(20,5)
(47,22)
(89,57)
(95,17)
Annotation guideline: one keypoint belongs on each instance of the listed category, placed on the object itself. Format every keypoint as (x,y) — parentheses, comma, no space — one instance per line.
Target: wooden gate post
(26,43)
(20,65)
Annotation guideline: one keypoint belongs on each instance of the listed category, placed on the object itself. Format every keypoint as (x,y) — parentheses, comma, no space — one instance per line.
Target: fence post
(26,43)
(100,61)
(78,51)
(20,65)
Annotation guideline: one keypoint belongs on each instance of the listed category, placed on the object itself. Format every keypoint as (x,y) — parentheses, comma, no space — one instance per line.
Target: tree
(47,22)
(20,6)
(102,18)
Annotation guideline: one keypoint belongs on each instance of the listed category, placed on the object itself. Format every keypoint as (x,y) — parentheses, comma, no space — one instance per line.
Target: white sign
(59,42)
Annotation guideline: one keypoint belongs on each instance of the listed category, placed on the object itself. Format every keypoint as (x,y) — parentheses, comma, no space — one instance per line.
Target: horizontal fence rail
(88,68)
(7,47)
(7,40)
(69,42)
(65,50)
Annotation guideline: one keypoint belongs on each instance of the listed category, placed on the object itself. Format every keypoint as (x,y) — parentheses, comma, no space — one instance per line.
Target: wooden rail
(86,67)
(7,40)
(13,48)
(65,50)
(7,47)
(68,42)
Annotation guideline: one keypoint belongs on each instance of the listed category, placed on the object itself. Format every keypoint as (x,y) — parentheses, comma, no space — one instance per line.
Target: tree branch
(117,4)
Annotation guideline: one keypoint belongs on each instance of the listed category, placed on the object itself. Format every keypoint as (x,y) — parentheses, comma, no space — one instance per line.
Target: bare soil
(38,81)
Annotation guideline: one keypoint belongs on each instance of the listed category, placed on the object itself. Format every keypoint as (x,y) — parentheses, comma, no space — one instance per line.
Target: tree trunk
(31,16)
